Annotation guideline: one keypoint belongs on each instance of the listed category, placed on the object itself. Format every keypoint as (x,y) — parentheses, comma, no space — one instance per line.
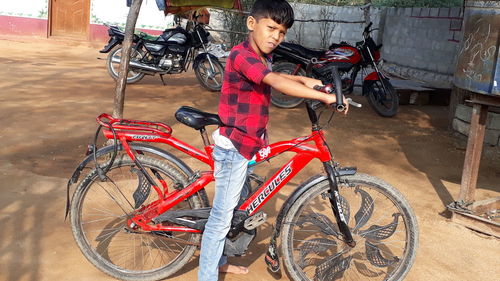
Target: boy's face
(266,33)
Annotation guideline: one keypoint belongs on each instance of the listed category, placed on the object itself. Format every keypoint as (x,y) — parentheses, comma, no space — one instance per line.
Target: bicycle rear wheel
(381,221)
(99,214)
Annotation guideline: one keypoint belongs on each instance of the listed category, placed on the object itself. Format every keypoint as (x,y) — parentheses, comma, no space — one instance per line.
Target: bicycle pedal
(255,220)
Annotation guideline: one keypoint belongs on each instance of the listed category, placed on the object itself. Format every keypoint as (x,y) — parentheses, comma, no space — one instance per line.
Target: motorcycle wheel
(210,79)
(114,68)
(279,99)
(382,97)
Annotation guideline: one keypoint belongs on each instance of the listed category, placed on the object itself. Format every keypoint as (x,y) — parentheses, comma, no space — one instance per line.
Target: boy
(244,108)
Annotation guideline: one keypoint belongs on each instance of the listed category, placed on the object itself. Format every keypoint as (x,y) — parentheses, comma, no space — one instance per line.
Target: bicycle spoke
(375,258)
(381,247)
(366,209)
(103,213)
(379,232)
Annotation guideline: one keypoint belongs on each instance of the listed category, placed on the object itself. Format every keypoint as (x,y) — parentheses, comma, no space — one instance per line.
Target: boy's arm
(292,87)
(309,82)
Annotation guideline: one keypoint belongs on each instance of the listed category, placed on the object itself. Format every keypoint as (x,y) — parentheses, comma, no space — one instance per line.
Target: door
(70,18)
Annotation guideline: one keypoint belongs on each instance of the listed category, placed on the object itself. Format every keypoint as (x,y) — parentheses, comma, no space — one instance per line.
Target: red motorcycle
(349,60)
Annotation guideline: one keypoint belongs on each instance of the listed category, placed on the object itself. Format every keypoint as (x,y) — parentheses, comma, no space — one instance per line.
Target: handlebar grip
(341,106)
(367,28)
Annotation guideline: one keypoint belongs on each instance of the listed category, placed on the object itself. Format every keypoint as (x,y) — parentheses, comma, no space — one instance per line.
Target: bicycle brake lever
(353,103)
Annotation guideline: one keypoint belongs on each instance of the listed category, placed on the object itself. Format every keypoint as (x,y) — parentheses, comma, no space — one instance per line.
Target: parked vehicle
(170,53)
(350,60)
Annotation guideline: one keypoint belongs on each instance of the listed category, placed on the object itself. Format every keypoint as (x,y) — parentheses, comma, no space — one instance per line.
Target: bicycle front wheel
(382,223)
(99,214)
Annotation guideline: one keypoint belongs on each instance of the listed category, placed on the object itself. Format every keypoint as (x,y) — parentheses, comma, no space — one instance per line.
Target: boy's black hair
(279,11)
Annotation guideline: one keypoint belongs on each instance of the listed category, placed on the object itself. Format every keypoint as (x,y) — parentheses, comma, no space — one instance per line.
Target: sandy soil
(51,92)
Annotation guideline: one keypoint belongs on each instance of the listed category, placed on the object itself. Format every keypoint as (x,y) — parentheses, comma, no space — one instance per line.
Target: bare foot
(235,269)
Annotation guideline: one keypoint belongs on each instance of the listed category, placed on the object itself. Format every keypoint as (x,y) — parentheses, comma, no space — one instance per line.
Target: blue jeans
(230,172)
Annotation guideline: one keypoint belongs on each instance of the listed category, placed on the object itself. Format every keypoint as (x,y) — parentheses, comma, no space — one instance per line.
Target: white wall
(101,11)
(116,11)
(24,8)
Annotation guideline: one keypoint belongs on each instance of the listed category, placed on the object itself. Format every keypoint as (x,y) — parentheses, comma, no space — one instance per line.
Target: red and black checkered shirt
(244,101)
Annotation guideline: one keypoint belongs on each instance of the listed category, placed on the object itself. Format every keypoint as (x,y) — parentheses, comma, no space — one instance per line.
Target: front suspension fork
(336,206)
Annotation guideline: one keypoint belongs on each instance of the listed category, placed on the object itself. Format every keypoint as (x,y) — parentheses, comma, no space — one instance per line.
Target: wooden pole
(473,153)
(121,83)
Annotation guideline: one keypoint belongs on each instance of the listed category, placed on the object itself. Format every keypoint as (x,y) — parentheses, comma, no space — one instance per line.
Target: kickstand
(163,81)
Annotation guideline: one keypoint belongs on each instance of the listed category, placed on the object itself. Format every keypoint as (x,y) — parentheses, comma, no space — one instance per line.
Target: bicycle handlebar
(341,106)
(329,88)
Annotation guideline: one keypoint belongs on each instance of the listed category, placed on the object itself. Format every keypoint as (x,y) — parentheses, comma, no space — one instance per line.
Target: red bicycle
(139,213)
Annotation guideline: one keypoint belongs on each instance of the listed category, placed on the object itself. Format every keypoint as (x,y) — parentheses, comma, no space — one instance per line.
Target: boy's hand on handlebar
(330,98)
(311,82)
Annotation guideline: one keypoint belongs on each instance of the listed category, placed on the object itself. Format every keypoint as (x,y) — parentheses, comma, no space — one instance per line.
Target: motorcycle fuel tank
(342,54)
(174,35)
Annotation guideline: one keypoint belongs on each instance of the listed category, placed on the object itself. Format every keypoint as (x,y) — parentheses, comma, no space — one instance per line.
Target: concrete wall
(24,17)
(423,43)
(419,43)
(461,124)
(309,33)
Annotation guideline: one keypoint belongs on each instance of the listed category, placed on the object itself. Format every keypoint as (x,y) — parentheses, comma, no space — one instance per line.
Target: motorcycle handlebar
(367,28)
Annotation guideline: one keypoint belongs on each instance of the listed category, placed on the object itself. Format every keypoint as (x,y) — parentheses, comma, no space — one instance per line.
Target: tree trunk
(121,83)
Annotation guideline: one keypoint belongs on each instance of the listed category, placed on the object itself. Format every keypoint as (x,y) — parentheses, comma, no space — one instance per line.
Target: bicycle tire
(95,204)
(326,257)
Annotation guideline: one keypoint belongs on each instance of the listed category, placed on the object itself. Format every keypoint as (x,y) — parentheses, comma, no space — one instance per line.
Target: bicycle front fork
(336,205)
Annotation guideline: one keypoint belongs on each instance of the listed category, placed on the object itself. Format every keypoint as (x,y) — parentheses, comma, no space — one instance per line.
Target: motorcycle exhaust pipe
(139,65)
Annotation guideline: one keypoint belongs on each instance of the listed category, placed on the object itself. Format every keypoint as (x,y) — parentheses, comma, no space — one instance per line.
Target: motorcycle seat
(302,51)
(196,118)
(335,45)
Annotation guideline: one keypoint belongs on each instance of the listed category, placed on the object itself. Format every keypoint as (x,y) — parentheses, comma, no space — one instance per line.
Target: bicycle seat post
(313,117)
(204,136)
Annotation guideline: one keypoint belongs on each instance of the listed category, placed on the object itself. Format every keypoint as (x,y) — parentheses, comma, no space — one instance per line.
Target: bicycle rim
(115,66)
(210,78)
(382,223)
(99,222)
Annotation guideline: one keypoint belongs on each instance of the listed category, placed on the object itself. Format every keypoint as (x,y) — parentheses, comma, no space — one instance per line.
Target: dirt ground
(50,93)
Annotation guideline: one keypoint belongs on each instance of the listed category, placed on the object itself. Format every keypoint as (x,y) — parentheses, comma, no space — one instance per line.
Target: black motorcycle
(350,60)
(170,53)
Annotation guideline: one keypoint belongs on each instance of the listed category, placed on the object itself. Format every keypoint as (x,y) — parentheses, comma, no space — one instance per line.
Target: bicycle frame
(133,130)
